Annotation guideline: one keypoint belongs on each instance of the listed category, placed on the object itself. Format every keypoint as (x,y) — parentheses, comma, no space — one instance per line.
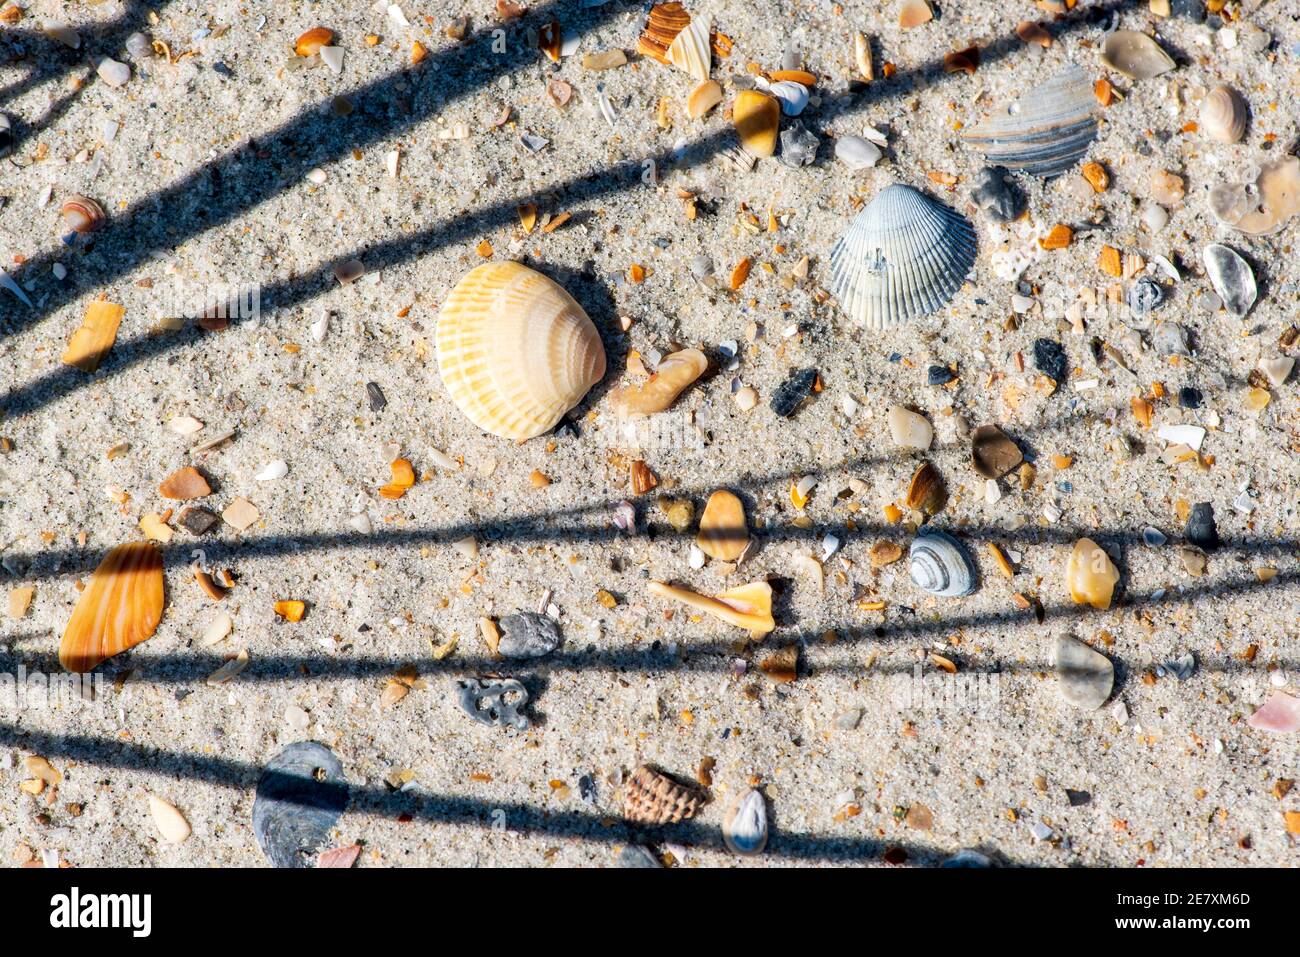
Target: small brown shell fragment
(927,491)
(1096,176)
(653,797)
(309,43)
(723,532)
(962,61)
(1032,32)
(663,23)
(184,484)
(862,57)
(993,453)
(96,335)
(674,374)
(703,98)
(914,13)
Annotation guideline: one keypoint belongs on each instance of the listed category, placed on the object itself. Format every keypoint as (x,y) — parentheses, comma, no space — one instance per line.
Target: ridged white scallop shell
(1224,114)
(690,51)
(1045,131)
(941,565)
(515,350)
(905,255)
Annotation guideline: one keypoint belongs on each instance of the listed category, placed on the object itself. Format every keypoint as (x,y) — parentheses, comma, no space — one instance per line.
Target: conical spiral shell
(941,565)
(515,350)
(652,797)
(1224,115)
(904,256)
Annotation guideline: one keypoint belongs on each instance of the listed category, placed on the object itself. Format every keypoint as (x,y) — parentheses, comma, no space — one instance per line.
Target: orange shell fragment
(291,610)
(403,478)
(96,335)
(120,607)
(664,22)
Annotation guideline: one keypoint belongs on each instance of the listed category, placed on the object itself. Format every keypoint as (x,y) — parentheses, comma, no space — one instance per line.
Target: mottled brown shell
(653,797)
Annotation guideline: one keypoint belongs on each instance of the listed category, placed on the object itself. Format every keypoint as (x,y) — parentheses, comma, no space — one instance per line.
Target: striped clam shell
(904,256)
(941,565)
(119,608)
(1046,131)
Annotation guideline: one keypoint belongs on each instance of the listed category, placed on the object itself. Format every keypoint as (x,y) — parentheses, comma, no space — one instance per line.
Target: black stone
(196,520)
(939,375)
(1050,360)
(1201,530)
(1189,397)
(1077,798)
(997,194)
(376,396)
(791,393)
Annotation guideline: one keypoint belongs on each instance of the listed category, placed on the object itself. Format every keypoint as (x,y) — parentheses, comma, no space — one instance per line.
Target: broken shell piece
(723,532)
(1135,55)
(703,98)
(745,606)
(95,336)
(940,564)
(170,822)
(1232,278)
(909,429)
(672,375)
(1086,676)
(309,43)
(403,478)
(82,214)
(744,828)
(1263,205)
(528,634)
(1224,115)
(275,469)
(1276,369)
(1046,131)
(862,57)
(857,153)
(62,33)
(653,797)
(515,350)
(690,51)
(757,118)
(299,799)
(792,96)
(184,484)
(927,491)
(663,23)
(1280,714)
(1091,575)
(993,453)
(113,72)
(497,703)
(913,13)
(120,607)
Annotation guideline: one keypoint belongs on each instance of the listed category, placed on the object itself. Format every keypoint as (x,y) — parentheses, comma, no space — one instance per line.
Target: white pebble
(113,73)
(275,469)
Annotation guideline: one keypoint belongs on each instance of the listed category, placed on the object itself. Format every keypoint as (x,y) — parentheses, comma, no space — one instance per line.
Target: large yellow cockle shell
(120,607)
(515,350)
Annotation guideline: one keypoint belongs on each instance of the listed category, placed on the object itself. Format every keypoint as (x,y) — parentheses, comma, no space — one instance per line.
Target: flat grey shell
(1046,131)
(300,796)
(1135,55)
(498,703)
(904,256)
(527,634)
(941,565)
(1232,278)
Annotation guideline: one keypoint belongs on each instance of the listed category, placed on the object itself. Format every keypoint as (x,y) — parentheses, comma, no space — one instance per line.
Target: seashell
(997,195)
(663,23)
(927,491)
(913,13)
(941,565)
(638,856)
(724,534)
(862,57)
(798,146)
(309,43)
(113,72)
(703,98)
(528,635)
(904,256)
(184,484)
(1135,55)
(1276,369)
(745,606)
(515,351)
(909,429)
(275,469)
(789,396)
(677,371)
(1224,114)
(499,703)
(993,453)
(792,96)
(757,118)
(95,336)
(1232,278)
(1280,714)
(1087,676)
(300,796)
(120,607)
(1046,131)
(1201,530)
(690,51)
(62,33)
(1091,575)
(1263,204)
(169,820)
(1170,339)
(138,47)
(857,153)
(653,797)
(744,827)
(82,215)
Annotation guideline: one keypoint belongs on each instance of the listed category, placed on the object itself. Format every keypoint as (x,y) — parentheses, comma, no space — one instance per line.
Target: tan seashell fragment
(184,484)
(170,822)
(1091,575)
(82,214)
(119,608)
(862,57)
(927,491)
(664,22)
(653,797)
(20,599)
(309,43)
(914,13)
(1224,115)
(96,335)
(515,351)
(703,98)
(757,118)
(746,606)
(690,51)
(674,373)
(1135,55)
(1263,205)
(723,532)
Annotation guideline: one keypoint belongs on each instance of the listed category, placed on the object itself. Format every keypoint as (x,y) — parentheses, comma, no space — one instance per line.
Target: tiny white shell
(744,829)
(332,57)
(792,96)
(276,469)
(170,822)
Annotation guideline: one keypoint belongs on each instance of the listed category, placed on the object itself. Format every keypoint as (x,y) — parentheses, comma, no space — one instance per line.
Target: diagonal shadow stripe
(262,183)
(520,818)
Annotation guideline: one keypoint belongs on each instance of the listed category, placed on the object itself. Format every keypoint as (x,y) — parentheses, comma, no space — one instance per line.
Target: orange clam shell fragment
(120,607)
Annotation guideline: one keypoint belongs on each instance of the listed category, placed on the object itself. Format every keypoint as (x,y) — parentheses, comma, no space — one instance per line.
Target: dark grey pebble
(1077,798)
(196,519)
(1201,530)
(790,393)
(1189,397)
(1050,360)
(637,855)
(527,634)
(376,396)
(1145,295)
(300,796)
(996,193)
(938,375)
(498,703)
